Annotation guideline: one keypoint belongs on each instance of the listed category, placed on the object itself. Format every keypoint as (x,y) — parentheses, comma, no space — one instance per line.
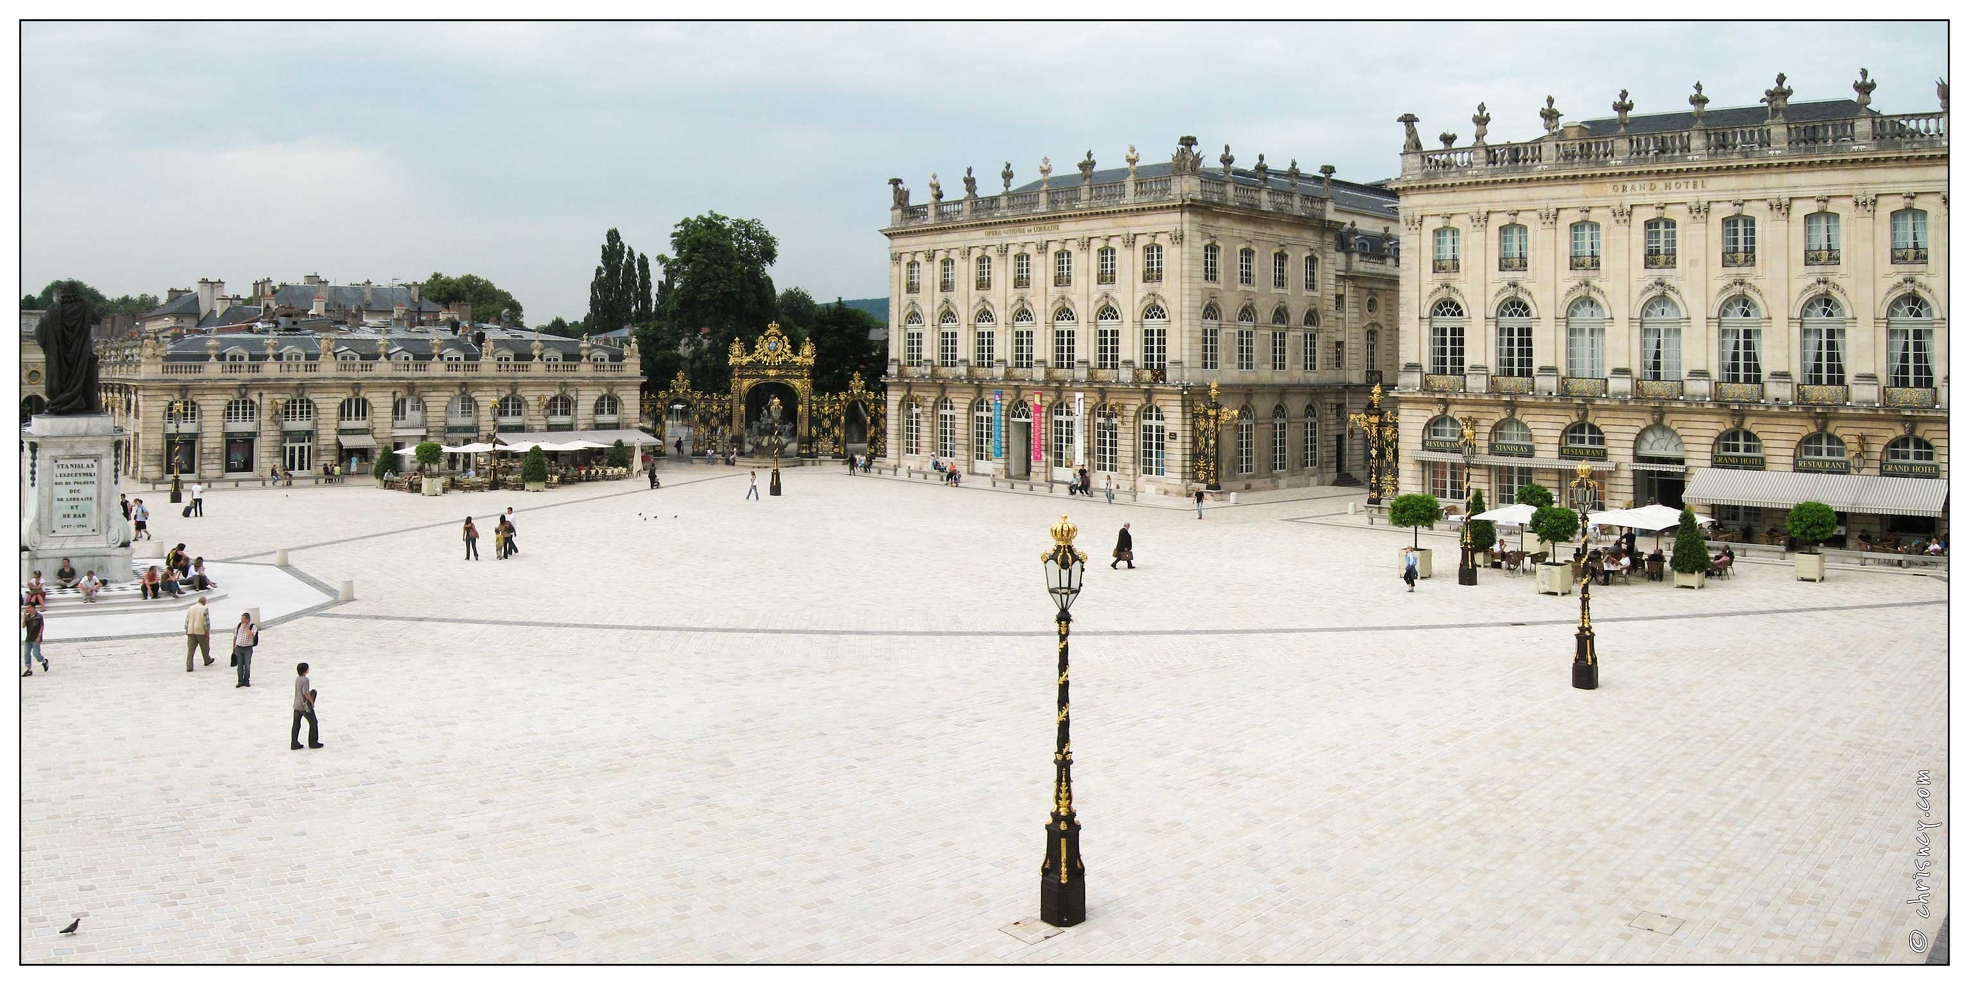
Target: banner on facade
(998,424)
(1038,432)
(1079,429)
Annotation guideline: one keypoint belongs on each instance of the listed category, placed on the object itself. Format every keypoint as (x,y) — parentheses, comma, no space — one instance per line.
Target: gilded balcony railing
(1658,389)
(1510,263)
(1583,386)
(1443,383)
(1447,266)
(1658,260)
(1585,263)
(1740,258)
(1915,254)
(1909,396)
(1510,384)
(1738,392)
(1810,393)
(1821,258)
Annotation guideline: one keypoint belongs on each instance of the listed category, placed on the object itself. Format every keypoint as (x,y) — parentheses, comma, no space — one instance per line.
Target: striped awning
(1884,495)
(1562,464)
(356,439)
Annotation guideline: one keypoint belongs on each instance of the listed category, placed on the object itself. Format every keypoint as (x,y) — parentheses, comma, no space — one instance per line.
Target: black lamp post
(1585,663)
(1466,567)
(1062,877)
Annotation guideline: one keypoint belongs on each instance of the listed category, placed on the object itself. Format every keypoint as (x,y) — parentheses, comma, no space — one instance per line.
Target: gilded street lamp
(1466,568)
(1207,421)
(1062,877)
(1381,437)
(1585,663)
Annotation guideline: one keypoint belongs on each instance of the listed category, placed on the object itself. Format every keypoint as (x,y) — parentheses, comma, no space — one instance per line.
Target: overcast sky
(154,155)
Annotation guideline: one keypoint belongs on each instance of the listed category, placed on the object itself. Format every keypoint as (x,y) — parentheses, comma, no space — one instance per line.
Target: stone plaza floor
(681,726)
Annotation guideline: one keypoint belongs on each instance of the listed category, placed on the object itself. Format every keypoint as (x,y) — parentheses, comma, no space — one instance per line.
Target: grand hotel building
(1739,308)
(1080,320)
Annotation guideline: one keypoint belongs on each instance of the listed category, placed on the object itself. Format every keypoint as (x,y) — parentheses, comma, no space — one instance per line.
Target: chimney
(417,293)
(313,280)
(1573,131)
(222,302)
(320,305)
(368,294)
(463,309)
(208,295)
(175,293)
(396,314)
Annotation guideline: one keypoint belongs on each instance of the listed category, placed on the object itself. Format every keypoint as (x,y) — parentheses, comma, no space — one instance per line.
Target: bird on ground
(71,927)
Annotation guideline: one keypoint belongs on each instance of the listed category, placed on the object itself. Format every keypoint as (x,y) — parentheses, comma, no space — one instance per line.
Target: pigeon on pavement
(71,927)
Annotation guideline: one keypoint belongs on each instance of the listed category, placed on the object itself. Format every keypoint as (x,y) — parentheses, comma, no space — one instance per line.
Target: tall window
(1278,352)
(1153,436)
(1104,265)
(1022,271)
(1279,443)
(1107,338)
(1246,257)
(241,411)
(912,427)
(1822,354)
(1585,246)
(913,277)
(947,338)
(1022,331)
(1247,340)
(1212,258)
(1279,262)
(1373,349)
(984,272)
(1586,340)
(1821,238)
(1155,337)
(1449,249)
(1064,337)
(984,339)
(946,429)
(912,338)
(1583,435)
(1507,480)
(1062,268)
(1910,228)
(1739,241)
(1063,436)
(1513,247)
(1660,235)
(947,275)
(1661,340)
(1312,273)
(1444,480)
(509,407)
(1152,263)
(1446,338)
(981,430)
(1309,444)
(1210,336)
(1910,342)
(1246,437)
(1309,351)
(354,410)
(1107,440)
(404,410)
(607,405)
(297,411)
(1742,339)
(1514,338)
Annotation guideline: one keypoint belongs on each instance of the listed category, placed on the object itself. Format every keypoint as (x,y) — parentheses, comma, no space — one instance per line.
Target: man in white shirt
(197,499)
(198,632)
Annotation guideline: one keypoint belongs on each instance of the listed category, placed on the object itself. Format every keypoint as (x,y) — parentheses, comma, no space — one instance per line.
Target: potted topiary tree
(1415,511)
(1813,523)
(534,469)
(1483,533)
(1554,525)
(429,453)
(381,470)
(1690,561)
(618,455)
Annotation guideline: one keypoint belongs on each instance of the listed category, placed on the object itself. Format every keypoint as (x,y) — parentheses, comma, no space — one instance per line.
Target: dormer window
(454,356)
(598,356)
(503,358)
(550,356)
(292,355)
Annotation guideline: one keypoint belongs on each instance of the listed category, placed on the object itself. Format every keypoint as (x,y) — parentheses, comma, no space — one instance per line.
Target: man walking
(512,534)
(304,696)
(1199,503)
(197,499)
(245,637)
(680,448)
(752,491)
(198,632)
(654,482)
(1124,549)
(140,516)
(33,623)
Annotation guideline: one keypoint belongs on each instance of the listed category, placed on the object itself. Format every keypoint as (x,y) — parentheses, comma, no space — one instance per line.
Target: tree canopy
(613,292)
(1691,554)
(128,304)
(485,297)
(718,291)
(842,347)
(1415,511)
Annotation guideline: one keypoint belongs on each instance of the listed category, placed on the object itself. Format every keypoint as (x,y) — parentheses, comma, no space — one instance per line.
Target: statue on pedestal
(65,339)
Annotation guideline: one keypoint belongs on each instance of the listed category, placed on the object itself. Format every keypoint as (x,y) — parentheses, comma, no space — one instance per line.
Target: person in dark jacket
(1124,548)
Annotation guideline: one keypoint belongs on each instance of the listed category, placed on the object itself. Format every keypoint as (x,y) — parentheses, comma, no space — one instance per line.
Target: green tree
(716,269)
(1534,495)
(129,304)
(563,328)
(796,309)
(381,469)
(842,347)
(46,299)
(612,291)
(1483,533)
(1812,522)
(1415,511)
(618,455)
(30,302)
(1691,554)
(645,304)
(485,297)
(1554,525)
(428,454)
(534,467)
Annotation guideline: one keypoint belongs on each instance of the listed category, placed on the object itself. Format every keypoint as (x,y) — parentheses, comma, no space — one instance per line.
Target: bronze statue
(66,341)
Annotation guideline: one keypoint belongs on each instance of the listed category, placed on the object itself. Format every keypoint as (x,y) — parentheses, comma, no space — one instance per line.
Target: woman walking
(1107,486)
(245,637)
(1409,562)
(471,540)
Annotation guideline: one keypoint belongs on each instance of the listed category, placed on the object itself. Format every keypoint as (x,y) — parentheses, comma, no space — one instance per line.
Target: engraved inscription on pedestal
(75,488)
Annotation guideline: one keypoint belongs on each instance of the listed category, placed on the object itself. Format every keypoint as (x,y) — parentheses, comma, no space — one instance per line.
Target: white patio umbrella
(1659,517)
(583,444)
(1516,514)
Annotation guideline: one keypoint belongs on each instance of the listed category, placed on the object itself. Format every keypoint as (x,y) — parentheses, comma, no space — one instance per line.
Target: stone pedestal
(70,497)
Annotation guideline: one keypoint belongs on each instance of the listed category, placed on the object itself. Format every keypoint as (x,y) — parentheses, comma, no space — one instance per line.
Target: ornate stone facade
(1118,296)
(1776,272)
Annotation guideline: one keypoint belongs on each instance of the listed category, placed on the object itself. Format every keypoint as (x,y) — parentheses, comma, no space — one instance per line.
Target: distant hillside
(879,307)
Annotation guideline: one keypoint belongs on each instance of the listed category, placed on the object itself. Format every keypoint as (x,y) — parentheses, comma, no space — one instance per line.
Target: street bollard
(280,557)
(348,593)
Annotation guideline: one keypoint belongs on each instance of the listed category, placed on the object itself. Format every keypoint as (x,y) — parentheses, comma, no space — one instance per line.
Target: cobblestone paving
(822,732)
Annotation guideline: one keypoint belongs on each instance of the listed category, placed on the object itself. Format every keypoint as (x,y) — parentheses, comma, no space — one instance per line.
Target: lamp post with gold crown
(1381,434)
(1208,420)
(1585,663)
(1062,877)
(1466,568)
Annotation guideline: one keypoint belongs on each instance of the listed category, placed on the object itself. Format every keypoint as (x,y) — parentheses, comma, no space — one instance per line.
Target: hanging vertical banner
(998,424)
(1079,429)
(1038,431)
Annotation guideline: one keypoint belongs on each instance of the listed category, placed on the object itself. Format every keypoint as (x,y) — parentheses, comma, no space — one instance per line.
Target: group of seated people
(181,571)
(65,577)
(951,474)
(1722,561)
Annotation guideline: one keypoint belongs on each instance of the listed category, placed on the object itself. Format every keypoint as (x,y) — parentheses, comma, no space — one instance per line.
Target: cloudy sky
(153,155)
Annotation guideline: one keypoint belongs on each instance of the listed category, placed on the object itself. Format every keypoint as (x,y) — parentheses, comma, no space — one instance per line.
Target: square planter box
(1554,578)
(1810,567)
(1689,581)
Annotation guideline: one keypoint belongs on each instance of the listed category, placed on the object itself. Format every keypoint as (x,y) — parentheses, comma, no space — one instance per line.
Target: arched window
(402,356)
(182,415)
(1512,437)
(982,431)
(236,355)
(1373,349)
(1309,454)
(1583,439)
(1247,337)
(297,411)
(503,357)
(984,272)
(1742,339)
(1910,342)
(240,410)
(947,338)
(1738,448)
(1107,439)
(912,427)
(607,406)
(1247,315)
(1909,455)
(454,356)
(551,356)
(1514,338)
(1661,340)
(461,410)
(1210,312)
(1246,258)
(1154,432)
(1312,317)
(1449,250)
(510,407)
(1585,246)
(914,318)
(1063,436)
(1658,443)
(984,338)
(1065,338)
(913,339)
(560,405)
(1821,451)
(1586,340)
(1446,338)
(1022,338)
(1279,443)
(293,354)
(1443,430)
(1310,273)
(946,429)
(1154,312)
(406,409)
(1210,336)
(1280,316)
(1822,352)
(1247,437)
(1107,338)
(598,355)
(347,355)
(354,410)
(947,275)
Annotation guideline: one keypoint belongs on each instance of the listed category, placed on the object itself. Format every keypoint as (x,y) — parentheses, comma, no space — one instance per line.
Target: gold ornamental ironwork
(1206,421)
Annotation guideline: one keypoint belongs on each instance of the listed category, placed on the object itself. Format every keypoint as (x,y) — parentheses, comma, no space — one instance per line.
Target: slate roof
(1349,195)
(350,296)
(381,343)
(1816,111)
(183,304)
(238,314)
